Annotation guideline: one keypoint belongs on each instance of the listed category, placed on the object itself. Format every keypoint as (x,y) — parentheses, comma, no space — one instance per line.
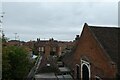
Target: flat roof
(60,76)
(45,75)
(67,76)
(64,77)
(64,69)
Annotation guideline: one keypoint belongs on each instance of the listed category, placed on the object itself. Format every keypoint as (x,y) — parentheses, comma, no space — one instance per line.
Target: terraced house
(52,47)
(96,54)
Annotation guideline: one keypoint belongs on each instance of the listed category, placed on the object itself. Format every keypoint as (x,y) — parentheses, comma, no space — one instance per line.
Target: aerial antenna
(15,36)
(1,19)
(18,37)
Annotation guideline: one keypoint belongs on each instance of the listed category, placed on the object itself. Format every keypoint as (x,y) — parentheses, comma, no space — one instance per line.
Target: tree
(6,67)
(16,64)
(4,39)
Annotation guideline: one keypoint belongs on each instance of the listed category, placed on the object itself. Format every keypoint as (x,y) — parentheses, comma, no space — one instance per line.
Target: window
(85,70)
(41,49)
(77,71)
(54,49)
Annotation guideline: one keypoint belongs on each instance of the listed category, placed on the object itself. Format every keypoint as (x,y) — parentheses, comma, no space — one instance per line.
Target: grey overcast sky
(60,20)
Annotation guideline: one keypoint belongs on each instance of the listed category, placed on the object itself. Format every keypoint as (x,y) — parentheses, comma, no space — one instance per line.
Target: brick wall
(89,49)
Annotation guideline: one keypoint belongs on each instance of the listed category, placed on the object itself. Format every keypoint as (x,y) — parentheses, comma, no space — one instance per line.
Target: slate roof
(109,38)
(43,68)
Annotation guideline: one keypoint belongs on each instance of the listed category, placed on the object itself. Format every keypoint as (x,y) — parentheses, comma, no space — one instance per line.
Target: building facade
(96,54)
(52,47)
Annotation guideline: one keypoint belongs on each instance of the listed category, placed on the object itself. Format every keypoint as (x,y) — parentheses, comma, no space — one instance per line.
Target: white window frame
(98,77)
(83,62)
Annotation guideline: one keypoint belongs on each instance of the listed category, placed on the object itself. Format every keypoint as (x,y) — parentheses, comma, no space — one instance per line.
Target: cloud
(62,20)
(60,0)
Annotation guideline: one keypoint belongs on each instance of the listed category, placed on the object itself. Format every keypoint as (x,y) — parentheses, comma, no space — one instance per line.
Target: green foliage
(6,67)
(35,51)
(4,39)
(16,64)
(59,58)
(52,53)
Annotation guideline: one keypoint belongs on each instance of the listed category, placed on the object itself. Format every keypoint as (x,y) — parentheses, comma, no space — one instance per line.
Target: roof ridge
(103,27)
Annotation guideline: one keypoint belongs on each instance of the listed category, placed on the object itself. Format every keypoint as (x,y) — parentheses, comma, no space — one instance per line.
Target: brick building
(51,46)
(14,42)
(95,55)
(47,47)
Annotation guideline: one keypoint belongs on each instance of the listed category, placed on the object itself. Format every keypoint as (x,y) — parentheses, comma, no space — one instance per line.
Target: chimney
(77,37)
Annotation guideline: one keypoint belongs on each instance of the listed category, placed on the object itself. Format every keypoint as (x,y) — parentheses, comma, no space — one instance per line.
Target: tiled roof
(108,38)
(43,68)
